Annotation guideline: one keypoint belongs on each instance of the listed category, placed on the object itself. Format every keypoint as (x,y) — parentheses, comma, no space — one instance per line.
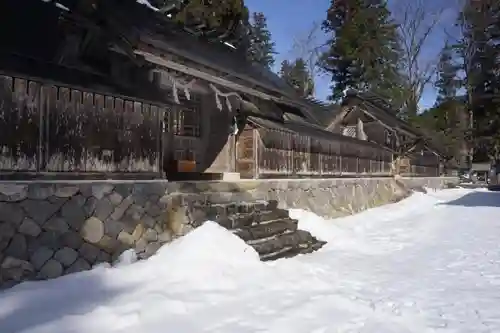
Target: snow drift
(429,262)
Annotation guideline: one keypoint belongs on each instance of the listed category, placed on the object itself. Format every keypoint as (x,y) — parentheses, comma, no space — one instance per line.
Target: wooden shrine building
(368,117)
(120,90)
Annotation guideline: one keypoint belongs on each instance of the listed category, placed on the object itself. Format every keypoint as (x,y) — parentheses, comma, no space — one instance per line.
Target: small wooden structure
(368,117)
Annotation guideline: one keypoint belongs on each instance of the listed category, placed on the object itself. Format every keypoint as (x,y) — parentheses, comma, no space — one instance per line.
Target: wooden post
(256,150)
(42,109)
(309,166)
(232,153)
(292,151)
(340,159)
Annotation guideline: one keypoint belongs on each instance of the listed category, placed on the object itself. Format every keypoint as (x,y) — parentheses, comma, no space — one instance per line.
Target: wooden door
(245,159)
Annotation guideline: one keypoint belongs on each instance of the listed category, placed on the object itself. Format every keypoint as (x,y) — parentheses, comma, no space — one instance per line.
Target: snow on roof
(147,4)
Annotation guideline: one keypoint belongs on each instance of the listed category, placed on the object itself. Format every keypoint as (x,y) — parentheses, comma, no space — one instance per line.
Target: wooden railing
(280,153)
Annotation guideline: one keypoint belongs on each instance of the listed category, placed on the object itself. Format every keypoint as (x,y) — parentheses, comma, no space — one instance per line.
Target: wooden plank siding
(424,164)
(245,153)
(47,128)
(279,153)
(20,127)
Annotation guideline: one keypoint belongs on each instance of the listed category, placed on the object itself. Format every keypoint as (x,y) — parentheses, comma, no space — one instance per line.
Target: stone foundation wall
(333,198)
(48,229)
(430,182)
(51,229)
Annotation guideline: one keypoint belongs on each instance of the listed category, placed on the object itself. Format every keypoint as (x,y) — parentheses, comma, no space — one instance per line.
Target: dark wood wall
(246,152)
(266,152)
(50,128)
(380,134)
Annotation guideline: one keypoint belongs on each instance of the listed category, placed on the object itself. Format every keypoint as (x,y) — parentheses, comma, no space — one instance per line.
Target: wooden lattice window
(187,118)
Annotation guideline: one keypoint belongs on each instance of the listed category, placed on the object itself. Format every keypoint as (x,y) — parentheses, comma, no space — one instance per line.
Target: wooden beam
(392,128)
(201,60)
(208,77)
(363,102)
(338,119)
(344,113)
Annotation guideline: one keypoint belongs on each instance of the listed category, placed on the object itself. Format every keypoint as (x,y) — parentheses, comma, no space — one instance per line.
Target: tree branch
(416,26)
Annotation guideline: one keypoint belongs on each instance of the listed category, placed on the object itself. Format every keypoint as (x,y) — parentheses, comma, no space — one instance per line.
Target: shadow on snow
(35,304)
(477,199)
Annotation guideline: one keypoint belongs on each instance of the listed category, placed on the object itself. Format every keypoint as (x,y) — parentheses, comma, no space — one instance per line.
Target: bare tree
(309,47)
(464,46)
(416,25)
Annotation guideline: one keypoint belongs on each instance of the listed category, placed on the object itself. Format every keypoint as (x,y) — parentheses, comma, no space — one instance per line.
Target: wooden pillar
(256,148)
(232,153)
(205,124)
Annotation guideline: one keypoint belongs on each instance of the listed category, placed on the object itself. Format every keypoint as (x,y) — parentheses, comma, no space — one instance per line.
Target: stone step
(230,209)
(263,217)
(279,242)
(267,230)
(265,227)
(234,198)
(291,251)
(239,221)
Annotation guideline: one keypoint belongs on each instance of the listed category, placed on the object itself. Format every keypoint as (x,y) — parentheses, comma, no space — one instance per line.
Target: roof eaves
(387,114)
(168,45)
(307,129)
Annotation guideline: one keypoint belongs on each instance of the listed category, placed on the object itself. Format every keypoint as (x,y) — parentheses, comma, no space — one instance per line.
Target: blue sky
(289,19)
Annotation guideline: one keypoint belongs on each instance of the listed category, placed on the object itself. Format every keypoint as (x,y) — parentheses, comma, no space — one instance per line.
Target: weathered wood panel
(97,133)
(301,147)
(245,153)
(20,125)
(423,164)
(64,132)
(329,157)
(49,128)
(275,152)
(285,154)
(420,164)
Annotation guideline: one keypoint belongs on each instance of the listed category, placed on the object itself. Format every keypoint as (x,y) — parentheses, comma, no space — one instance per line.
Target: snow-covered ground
(430,263)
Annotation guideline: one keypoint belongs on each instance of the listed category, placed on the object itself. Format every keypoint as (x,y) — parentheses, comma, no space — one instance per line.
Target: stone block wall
(51,229)
(48,229)
(332,198)
(429,182)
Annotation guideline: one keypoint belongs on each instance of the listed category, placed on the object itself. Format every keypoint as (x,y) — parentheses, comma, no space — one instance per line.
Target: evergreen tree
(226,20)
(297,75)
(447,81)
(363,49)
(261,45)
(448,117)
(480,54)
(435,121)
(285,70)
